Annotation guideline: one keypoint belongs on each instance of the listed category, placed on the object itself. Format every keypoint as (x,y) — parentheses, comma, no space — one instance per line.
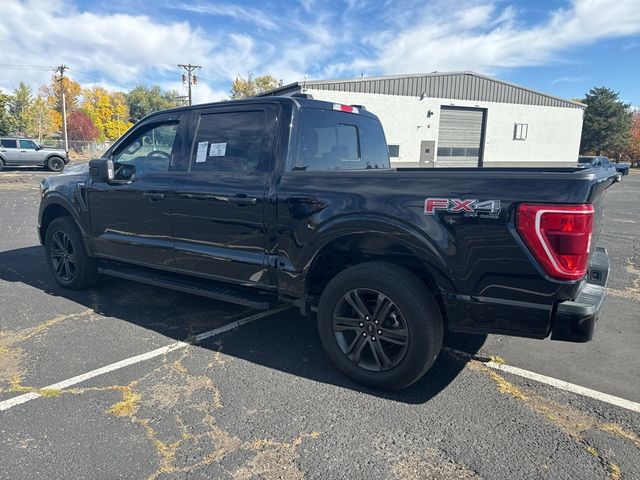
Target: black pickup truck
(285,199)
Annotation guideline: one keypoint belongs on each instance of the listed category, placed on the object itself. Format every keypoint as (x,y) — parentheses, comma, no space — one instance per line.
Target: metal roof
(454,85)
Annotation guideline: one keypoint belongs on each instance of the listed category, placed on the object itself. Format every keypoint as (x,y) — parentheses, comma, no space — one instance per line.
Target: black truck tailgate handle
(153,195)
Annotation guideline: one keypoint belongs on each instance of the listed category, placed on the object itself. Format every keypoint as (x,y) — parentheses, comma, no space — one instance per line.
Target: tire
(619,177)
(412,326)
(1,164)
(63,245)
(55,164)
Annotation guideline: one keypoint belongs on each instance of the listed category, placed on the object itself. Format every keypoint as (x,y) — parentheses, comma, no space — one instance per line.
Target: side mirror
(101,170)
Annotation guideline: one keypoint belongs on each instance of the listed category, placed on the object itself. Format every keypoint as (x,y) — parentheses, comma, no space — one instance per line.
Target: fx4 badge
(469,207)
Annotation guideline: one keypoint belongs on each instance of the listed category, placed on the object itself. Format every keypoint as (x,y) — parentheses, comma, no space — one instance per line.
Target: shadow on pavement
(285,341)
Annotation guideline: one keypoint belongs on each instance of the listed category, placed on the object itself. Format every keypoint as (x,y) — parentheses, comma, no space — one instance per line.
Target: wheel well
(350,250)
(50,214)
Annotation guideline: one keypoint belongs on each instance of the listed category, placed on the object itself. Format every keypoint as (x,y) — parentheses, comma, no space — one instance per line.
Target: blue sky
(559,47)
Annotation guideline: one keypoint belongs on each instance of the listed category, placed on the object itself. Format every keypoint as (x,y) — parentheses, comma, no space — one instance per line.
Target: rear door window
(230,142)
(6,143)
(330,140)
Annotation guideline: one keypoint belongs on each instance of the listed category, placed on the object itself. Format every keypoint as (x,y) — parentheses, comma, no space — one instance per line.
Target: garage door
(459,137)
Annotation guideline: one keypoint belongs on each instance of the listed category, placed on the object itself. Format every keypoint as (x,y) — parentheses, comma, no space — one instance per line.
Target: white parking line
(556,383)
(27,397)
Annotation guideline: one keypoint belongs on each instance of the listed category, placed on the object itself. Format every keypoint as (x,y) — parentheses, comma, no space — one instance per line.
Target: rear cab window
(329,140)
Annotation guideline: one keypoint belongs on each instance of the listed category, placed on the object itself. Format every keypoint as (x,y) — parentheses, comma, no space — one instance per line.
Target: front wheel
(67,257)
(380,325)
(619,177)
(55,164)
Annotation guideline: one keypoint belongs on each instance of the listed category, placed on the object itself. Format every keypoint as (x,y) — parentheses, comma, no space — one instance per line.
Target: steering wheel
(158,153)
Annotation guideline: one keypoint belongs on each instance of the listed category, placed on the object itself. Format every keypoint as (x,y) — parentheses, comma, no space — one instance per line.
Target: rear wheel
(67,257)
(55,164)
(380,325)
(1,164)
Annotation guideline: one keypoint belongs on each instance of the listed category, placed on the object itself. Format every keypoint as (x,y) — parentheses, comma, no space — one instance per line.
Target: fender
(370,224)
(75,211)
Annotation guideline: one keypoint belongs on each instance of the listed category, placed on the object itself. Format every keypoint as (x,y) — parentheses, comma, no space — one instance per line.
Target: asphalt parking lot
(260,400)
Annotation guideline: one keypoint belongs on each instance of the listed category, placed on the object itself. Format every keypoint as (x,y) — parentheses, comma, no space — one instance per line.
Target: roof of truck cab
(299,102)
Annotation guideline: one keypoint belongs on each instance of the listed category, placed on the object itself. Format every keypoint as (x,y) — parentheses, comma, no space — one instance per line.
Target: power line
(13,66)
(189,78)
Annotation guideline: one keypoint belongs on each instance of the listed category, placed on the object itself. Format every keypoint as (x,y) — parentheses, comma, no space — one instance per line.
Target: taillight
(559,236)
(345,108)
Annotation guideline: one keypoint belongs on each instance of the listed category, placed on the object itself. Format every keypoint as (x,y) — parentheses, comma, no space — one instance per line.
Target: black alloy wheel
(380,324)
(370,329)
(67,257)
(63,257)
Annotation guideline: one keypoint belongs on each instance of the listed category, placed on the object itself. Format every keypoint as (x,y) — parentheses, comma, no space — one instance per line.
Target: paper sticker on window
(218,150)
(201,156)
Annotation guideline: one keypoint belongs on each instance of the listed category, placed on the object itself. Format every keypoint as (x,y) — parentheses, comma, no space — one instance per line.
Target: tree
(249,87)
(108,111)
(80,128)
(143,101)
(634,144)
(19,105)
(607,123)
(53,95)
(40,119)
(7,121)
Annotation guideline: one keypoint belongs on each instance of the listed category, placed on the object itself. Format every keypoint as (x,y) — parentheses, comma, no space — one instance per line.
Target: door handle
(23,151)
(3,151)
(153,196)
(203,196)
(242,200)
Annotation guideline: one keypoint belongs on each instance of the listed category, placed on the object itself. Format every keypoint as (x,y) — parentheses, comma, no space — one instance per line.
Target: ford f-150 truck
(293,200)
(604,163)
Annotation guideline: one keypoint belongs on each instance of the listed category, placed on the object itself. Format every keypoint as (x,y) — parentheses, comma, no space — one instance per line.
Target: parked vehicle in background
(604,163)
(25,152)
(292,200)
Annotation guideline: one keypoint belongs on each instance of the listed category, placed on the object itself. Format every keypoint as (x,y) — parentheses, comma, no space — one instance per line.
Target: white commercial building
(460,119)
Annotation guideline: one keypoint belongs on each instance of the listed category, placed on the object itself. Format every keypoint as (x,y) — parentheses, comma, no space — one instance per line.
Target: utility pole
(61,69)
(189,78)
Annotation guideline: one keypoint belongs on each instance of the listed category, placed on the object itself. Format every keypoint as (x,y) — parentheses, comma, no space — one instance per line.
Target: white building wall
(553,133)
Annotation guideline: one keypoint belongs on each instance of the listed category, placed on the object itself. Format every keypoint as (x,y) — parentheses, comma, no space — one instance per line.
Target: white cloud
(482,37)
(318,39)
(568,80)
(246,14)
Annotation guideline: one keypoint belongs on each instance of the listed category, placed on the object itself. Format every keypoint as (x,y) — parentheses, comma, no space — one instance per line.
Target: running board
(196,286)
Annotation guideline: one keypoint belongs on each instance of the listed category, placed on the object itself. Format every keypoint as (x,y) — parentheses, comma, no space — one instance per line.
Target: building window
(394,151)
(458,151)
(520,131)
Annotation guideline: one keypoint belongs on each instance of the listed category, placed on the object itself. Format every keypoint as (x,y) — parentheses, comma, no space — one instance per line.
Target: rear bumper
(575,320)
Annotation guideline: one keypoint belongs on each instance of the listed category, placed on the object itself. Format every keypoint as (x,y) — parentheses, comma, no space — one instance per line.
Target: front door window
(149,150)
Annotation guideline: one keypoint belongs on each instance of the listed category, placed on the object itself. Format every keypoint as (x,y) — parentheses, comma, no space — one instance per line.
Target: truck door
(218,212)
(131,216)
(29,155)
(9,150)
